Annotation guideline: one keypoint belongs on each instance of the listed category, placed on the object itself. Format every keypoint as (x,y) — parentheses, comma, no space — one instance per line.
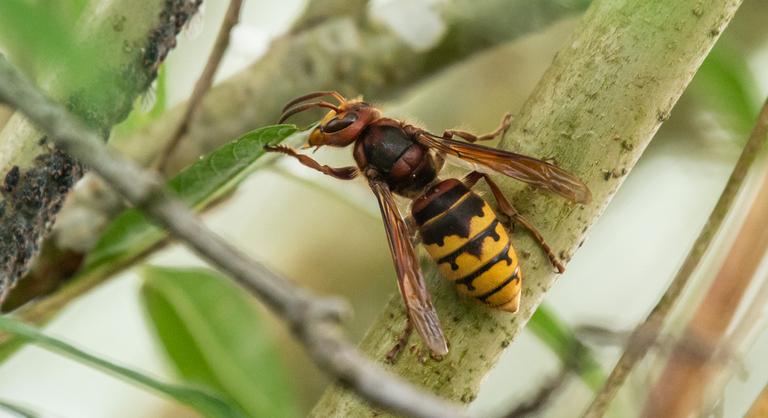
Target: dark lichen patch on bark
(107,108)
(31,199)
(162,40)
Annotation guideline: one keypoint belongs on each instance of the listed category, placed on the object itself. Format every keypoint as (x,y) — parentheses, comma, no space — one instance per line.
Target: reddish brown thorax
(386,150)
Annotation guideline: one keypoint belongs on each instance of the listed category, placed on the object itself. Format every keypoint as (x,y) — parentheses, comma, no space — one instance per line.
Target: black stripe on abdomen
(467,280)
(474,246)
(441,204)
(454,221)
(514,276)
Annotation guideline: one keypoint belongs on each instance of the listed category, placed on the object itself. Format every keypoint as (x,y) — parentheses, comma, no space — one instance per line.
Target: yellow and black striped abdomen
(471,247)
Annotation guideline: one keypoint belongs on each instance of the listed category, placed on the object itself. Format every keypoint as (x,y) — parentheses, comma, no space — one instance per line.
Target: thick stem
(595,110)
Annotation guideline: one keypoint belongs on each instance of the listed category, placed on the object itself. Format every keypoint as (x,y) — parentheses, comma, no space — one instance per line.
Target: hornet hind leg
(402,341)
(514,216)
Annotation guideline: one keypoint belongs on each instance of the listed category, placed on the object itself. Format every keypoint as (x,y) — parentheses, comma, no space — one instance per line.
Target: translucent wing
(410,281)
(520,167)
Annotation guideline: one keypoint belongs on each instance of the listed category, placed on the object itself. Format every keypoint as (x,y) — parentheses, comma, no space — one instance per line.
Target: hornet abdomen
(470,245)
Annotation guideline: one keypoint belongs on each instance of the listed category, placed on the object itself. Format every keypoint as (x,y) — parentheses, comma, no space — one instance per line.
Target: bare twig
(313,320)
(231,18)
(680,388)
(638,347)
(691,344)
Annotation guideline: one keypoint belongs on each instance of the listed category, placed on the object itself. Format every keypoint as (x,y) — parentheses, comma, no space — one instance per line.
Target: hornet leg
(514,216)
(394,353)
(470,137)
(342,173)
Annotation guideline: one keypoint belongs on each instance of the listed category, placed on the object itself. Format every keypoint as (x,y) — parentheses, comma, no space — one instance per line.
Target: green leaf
(556,335)
(212,332)
(202,400)
(17,410)
(198,185)
(40,37)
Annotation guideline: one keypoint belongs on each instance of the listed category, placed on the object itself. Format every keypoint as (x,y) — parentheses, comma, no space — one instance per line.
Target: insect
(459,229)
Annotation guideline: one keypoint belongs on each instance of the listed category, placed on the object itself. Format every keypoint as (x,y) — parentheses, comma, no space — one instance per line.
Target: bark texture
(607,92)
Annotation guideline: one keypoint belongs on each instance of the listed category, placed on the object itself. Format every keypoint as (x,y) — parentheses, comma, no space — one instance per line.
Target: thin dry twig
(639,343)
(231,18)
(665,344)
(314,320)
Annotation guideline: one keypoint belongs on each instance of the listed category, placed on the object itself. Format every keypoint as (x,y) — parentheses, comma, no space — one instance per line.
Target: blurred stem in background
(644,336)
(204,83)
(759,408)
(680,390)
(17,410)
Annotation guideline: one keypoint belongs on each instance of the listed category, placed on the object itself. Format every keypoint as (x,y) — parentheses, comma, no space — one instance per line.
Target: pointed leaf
(198,185)
(213,334)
